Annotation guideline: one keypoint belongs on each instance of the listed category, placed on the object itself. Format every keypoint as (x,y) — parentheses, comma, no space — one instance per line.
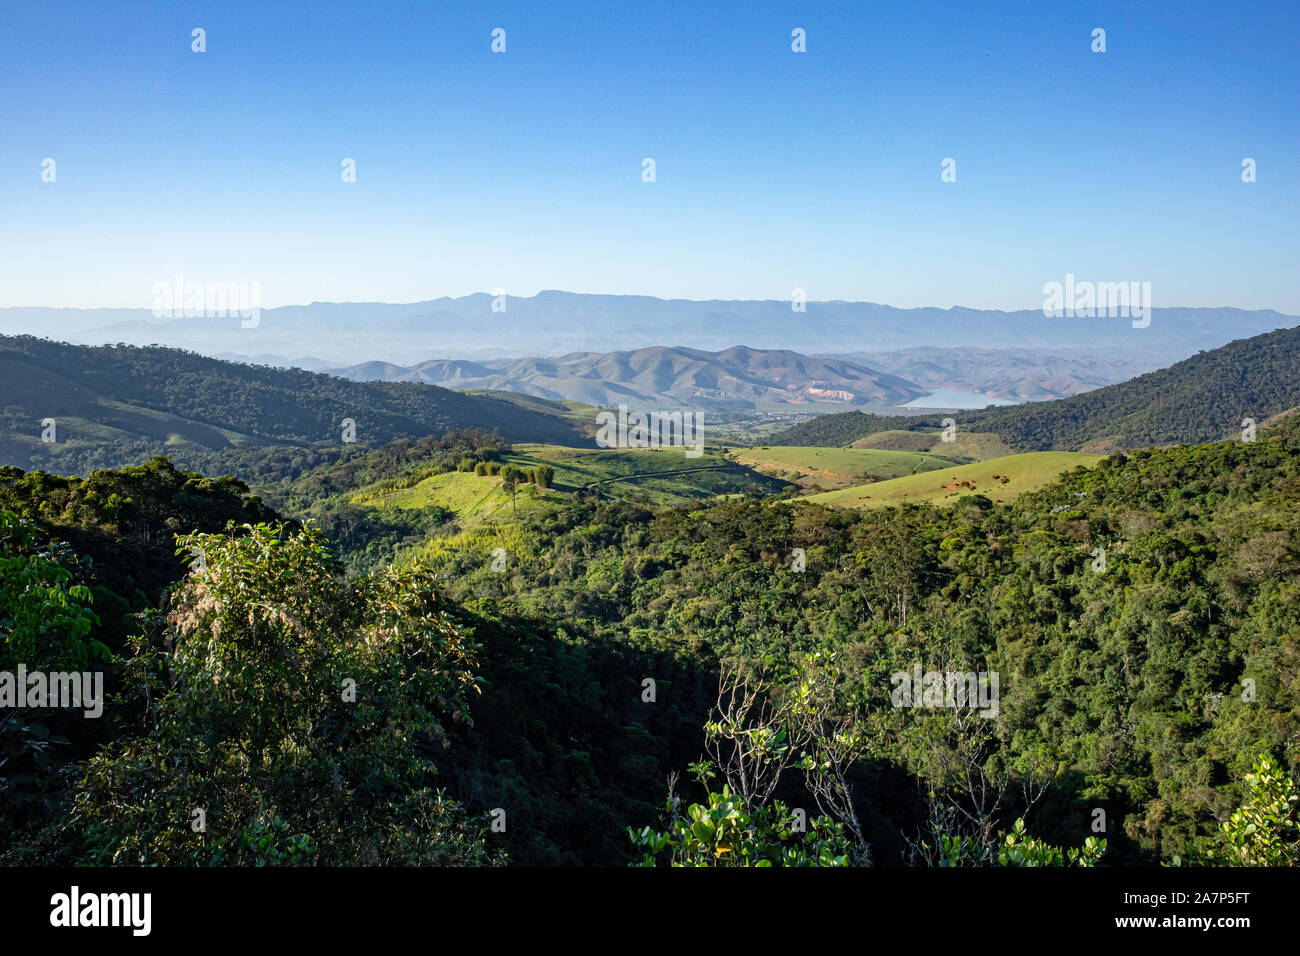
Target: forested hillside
(1122,687)
(1142,615)
(1201,399)
(115,405)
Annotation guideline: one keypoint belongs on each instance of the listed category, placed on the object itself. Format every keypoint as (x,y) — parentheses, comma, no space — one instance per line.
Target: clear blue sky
(775,170)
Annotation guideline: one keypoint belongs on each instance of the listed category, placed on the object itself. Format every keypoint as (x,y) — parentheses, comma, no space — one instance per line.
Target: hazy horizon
(480,293)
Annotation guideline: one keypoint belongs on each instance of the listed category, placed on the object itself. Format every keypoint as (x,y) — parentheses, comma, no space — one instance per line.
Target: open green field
(977,446)
(816,468)
(665,476)
(1000,479)
(475,499)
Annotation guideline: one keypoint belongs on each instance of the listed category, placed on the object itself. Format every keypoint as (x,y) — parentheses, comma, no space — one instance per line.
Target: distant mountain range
(113,405)
(660,376)
(1011,374)
(561,323)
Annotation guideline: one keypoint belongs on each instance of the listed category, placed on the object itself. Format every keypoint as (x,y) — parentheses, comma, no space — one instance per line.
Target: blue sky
(775,170)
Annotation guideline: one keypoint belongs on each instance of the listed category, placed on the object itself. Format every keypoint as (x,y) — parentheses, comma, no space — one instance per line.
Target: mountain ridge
(131,402)
(666,375)
(555,321)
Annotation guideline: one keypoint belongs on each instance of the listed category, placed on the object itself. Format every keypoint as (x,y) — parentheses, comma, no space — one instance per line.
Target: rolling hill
(965,446)
(664,377)
(826,469)
(999,480)
(120,404)
(662,476)
(849,428)
(472,499)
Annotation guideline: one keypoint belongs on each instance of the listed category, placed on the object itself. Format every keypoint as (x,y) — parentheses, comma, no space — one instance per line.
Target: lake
(947,398)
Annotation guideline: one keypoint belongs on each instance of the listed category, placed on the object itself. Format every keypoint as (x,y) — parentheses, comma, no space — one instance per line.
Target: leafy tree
(1265,829)
(1017,848)
(510,478)
(45,616)
(756,734)
(724,832)
(294,720)
(1020,849)
(47,624)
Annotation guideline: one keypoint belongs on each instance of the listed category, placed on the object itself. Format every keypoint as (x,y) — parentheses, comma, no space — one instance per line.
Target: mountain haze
(553,322)
(1012,373)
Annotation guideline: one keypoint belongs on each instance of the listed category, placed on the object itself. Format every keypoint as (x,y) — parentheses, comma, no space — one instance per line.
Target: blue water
(947,398)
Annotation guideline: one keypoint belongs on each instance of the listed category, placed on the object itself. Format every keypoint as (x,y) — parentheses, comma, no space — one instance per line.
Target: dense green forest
(119,405)
(1201,399)
(612,682)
